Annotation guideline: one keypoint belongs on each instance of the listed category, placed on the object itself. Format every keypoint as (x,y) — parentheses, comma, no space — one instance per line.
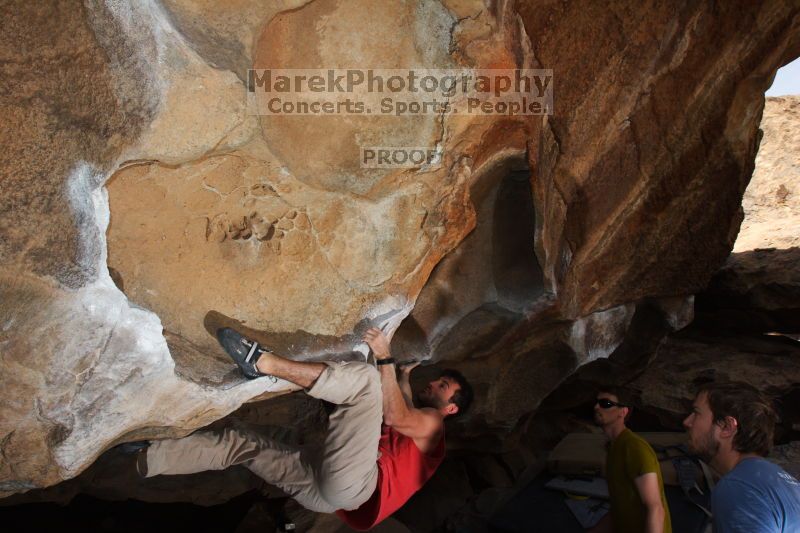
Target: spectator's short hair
(753,411)
(624,398)
(464,395)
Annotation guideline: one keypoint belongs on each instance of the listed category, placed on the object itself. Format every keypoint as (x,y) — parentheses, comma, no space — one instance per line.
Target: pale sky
(787,80)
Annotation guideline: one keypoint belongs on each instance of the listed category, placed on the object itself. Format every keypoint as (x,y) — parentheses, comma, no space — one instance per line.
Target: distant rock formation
(772,200)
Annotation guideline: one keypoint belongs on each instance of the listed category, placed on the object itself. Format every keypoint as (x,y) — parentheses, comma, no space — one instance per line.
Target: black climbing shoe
(243,351)
(130,448)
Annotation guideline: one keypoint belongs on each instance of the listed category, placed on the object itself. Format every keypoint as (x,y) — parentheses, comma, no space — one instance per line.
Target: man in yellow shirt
(634,478)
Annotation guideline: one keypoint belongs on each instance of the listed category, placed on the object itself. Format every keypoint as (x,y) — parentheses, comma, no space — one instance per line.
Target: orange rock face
(143,204)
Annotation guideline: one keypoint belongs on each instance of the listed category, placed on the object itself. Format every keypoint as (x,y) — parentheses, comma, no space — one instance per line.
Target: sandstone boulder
(128,145)
(756,291)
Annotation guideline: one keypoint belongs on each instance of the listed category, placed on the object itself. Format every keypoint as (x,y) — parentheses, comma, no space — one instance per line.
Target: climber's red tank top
(402,470)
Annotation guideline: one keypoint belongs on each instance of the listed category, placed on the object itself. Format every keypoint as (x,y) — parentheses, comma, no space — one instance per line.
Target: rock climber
(380,447)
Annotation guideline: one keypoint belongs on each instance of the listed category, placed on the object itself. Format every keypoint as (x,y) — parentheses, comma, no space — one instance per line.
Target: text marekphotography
(399,92)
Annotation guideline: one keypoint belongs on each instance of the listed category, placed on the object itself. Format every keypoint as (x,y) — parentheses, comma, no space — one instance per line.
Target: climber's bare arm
(423,425)
(405,384)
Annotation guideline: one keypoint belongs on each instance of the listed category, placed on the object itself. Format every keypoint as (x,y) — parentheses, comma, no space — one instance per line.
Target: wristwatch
(387,361)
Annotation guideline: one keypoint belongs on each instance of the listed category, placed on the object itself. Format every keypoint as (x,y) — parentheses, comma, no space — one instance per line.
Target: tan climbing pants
(341,475)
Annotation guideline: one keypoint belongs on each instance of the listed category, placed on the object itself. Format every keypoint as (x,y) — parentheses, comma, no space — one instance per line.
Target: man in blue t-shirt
(731,427)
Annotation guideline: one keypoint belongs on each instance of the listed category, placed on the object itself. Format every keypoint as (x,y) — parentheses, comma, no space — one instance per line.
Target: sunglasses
(605,403)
